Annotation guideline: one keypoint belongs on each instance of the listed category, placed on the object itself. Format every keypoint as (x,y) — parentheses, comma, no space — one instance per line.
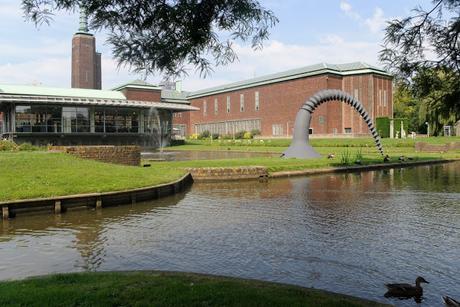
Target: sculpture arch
(300,147)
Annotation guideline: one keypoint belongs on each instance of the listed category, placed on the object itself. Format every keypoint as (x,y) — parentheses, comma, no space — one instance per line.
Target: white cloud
(375,23)
(348,9)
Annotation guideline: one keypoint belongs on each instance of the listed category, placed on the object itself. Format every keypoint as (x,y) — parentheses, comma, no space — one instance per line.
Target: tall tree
(424,50)
(165,36)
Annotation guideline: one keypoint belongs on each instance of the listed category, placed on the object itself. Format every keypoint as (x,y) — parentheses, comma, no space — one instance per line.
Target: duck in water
(448,301)
(406,290)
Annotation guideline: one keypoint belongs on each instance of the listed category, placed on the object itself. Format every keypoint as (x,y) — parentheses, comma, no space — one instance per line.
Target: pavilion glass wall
(116,120)
(76,119)
(38,118)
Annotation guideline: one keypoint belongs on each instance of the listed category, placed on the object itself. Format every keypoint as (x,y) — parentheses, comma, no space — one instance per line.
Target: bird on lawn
(331,156)
(386,158)
(406,290)
(448,301)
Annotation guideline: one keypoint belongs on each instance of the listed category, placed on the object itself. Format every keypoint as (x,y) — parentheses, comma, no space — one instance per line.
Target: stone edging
(357,168)
(228,173)
(60,204)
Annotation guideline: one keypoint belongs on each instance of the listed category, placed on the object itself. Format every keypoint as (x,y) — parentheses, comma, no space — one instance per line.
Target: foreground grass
(162,289)
(42,174)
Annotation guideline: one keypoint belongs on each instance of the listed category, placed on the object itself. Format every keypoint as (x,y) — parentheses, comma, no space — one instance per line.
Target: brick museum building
(270,103)
(133,112)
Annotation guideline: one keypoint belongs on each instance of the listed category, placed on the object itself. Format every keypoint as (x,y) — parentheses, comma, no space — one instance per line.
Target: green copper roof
(354,68)
(140,84)
(61,92)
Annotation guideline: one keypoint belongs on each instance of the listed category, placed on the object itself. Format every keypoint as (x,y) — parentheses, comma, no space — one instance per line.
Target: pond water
(348,233)
(202,155)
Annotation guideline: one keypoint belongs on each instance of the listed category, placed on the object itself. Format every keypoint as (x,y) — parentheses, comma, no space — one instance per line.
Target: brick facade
(142,94)
(279,103)
(128,155)
(86,62)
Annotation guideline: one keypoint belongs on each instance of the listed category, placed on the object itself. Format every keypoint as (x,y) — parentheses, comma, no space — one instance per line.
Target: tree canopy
(164,36)
(423,51)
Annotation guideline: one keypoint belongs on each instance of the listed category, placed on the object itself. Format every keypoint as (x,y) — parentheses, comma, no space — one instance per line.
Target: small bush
(359,155)
(215,136)
(27,147)
(204,135)
(6,145)
(255,132)
(247,136)
(194,136)
(226,137)
(345,158)
(240,135)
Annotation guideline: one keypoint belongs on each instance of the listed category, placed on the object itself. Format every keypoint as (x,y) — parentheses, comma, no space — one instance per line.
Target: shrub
(6,145)
(194,136)
(255,132)
(345,158)
(226,136)
(247,136)
(239,135)
(382,124)
(204,135)
(215,136)
(27,147)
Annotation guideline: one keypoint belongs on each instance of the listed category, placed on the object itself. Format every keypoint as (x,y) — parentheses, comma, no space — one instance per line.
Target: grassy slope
(42,174)
(162,289)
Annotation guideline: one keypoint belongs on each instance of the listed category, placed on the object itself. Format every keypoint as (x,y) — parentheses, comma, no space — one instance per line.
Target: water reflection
(348,233)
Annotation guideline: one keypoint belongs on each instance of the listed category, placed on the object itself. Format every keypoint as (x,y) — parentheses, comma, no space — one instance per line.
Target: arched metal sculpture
(300,147)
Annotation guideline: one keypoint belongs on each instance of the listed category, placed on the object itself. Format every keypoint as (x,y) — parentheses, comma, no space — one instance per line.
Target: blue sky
(308,32)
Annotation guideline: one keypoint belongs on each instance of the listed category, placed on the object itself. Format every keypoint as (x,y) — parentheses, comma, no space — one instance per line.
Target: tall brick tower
(86,62)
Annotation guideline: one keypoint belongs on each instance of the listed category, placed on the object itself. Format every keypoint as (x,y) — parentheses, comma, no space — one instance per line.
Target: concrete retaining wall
(60,204)
(128,155)
(228,173)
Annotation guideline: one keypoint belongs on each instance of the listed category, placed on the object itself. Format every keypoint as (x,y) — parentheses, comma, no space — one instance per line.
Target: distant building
(270,103)
(133,113)
(86,62)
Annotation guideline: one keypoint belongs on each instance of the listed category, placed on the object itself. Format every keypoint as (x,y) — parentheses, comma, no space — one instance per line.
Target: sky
(308,32)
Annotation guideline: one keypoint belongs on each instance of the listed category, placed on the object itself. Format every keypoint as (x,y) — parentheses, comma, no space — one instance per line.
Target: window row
(229,105)
(73,119)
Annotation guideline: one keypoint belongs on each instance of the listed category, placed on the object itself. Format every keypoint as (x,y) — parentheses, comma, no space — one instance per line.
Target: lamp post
(427,128)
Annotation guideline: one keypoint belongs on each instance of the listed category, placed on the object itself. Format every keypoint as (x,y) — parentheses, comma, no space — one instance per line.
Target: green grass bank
(162,289)
(26,175)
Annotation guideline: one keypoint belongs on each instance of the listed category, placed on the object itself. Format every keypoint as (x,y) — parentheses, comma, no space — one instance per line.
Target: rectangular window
(38,118)
(347,130)
(321,120)
(384,98)
(356,93)
(256,101)
(75,119)
(216,106)
(228,104)
(380,97)
(241,102)
(277,130)
(205,107)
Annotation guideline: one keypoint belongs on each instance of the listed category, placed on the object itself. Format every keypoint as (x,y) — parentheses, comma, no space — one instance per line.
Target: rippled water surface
(348,233)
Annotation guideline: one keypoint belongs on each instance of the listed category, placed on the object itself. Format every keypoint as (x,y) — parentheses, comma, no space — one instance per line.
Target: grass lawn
(43,174)
(162,289)
(278,145)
